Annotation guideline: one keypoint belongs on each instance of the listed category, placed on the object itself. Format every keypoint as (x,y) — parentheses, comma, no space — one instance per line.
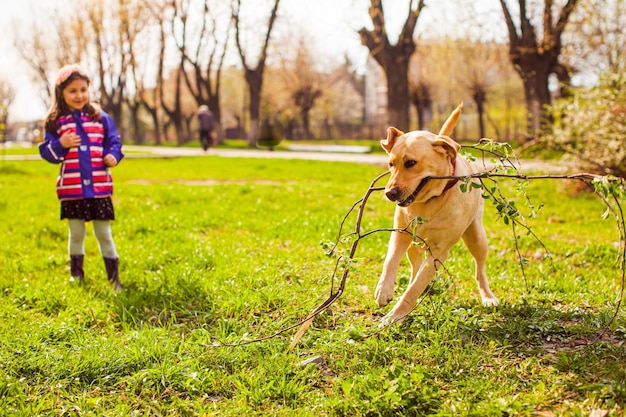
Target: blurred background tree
(6,96)
(154,61)
(590,127)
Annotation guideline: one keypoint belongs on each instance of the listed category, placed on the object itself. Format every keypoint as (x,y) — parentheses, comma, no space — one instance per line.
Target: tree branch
(608,189)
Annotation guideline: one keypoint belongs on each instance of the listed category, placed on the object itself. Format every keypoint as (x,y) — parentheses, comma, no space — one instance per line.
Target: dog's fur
(450,214)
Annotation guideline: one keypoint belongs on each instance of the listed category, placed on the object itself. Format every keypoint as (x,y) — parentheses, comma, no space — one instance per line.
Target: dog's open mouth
(407,201)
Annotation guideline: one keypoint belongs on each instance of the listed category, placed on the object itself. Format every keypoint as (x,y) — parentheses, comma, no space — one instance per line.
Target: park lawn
(218,251)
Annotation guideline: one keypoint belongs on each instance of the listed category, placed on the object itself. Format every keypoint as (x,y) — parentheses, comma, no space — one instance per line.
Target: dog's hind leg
(415,259)
(476,241)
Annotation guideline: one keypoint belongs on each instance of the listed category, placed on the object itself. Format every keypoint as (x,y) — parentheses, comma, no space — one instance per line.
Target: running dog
(449,214)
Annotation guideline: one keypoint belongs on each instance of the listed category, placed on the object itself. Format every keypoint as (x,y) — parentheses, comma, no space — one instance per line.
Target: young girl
(84,140)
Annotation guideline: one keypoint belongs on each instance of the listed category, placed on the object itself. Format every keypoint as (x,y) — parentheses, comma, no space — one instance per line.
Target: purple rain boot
(112,267)
(76,268)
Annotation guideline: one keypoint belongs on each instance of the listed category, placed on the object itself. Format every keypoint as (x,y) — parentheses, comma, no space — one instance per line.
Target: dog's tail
(451,121)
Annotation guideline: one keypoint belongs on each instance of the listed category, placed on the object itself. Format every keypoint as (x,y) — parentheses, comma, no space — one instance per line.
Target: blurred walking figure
(205,119)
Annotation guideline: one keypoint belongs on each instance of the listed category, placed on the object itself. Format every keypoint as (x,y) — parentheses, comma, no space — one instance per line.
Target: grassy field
(221,251)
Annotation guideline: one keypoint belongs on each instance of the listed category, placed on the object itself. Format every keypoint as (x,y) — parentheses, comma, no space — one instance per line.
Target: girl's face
(76,94)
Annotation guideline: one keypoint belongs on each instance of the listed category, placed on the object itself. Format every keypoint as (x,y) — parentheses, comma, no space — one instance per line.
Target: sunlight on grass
(217,250)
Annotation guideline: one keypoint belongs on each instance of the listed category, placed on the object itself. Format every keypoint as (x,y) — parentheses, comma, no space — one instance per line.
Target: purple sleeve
(112,144)
(51,149)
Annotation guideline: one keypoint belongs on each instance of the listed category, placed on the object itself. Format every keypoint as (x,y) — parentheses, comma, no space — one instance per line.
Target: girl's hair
(65,76)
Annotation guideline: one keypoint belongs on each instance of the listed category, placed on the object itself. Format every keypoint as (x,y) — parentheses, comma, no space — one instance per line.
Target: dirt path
(378,159)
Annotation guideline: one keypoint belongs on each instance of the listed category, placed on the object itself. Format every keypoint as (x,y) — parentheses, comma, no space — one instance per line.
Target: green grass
(227,144)
(217,250)
(18,150)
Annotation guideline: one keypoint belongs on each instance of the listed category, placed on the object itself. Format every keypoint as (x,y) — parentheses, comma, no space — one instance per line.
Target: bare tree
(421,97)
(7,94)
(596,42)
(35,50)
(44,49)
(482,63)
(150,98)
(394,59)
(205,53)
(536,58)
(133,20)
(303,81)
(112,55)
(253,75)
(434,87)
(174,88)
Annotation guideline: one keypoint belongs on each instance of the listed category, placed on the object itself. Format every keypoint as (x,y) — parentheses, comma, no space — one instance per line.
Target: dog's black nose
(393,193)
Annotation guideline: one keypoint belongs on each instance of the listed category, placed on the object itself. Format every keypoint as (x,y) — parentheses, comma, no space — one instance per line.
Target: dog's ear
(445,144)
(450,123)
(392,135)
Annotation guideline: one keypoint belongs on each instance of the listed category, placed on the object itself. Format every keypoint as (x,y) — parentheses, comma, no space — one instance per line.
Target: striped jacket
(83,173)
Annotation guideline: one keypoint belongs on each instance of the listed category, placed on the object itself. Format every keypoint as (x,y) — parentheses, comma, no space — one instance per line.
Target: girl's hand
(70,140)
(109,160)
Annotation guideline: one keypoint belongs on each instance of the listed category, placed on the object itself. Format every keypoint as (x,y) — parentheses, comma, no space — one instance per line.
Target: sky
(325,18)
(11,66)
(332,25)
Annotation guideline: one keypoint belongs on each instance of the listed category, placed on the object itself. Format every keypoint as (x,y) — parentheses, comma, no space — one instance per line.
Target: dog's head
(416,155)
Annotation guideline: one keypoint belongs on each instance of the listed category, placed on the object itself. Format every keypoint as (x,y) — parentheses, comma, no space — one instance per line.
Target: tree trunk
(480,97)
(180,130)
(398,93)
(134,120)
(254,78)
(214,103)
(157,128)
(535,73)
(422,101)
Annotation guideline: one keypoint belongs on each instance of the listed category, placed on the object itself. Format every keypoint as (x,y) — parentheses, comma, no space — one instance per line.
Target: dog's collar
(451,183)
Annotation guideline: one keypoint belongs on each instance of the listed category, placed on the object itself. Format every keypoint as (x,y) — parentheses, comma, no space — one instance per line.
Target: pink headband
(65,73)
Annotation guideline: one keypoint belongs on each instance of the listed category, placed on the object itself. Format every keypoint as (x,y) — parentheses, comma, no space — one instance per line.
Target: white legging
(102,230)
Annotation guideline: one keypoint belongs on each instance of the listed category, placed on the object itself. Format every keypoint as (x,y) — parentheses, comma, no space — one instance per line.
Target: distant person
(205,119)
(84,140)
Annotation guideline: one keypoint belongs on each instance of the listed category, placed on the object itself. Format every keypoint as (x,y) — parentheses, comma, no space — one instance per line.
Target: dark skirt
(88,209)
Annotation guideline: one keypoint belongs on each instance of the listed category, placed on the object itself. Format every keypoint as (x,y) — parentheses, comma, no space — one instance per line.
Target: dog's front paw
(490,301)
(383,294)
(390,319)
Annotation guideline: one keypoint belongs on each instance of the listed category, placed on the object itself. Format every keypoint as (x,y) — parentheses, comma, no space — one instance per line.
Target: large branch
(513,36)
(235,16)
(375,40)
(548,29)
(263,56)
(564,16)
(529,37)
(270,25)
(378,18)
(411,21)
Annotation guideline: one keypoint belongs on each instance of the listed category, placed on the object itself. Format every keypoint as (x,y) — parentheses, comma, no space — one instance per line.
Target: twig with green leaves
(499,162)
(502,164)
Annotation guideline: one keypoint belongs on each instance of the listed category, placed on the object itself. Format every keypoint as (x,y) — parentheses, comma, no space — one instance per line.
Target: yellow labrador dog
(449,213)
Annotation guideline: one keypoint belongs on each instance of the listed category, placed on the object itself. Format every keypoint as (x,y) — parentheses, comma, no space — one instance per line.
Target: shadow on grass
(171,303)
(576,342)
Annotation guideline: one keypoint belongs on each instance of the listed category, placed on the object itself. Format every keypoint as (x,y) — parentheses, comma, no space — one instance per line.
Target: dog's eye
(409,164)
